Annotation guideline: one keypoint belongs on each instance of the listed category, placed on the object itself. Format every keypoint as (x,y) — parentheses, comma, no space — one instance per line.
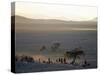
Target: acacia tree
(55,46)
(74,54)
(42,48)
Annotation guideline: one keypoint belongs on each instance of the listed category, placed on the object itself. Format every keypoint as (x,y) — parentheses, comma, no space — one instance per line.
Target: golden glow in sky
(51,11)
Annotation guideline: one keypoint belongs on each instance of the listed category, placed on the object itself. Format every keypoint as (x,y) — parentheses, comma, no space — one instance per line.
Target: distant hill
(27,24)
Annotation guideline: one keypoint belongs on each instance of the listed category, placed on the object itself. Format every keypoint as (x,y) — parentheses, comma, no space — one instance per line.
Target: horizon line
(57,19)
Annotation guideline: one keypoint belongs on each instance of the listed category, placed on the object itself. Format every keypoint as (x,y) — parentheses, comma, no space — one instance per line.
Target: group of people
(50,61)
(24,58)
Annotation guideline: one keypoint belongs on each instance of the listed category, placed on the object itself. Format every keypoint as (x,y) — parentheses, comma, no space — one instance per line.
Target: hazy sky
(51,11)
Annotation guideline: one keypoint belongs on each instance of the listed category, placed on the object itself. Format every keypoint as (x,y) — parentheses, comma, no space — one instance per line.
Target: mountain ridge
(27,24)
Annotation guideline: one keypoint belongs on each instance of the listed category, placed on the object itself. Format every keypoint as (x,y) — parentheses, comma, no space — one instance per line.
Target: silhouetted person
(85,62)
(44,62)
(39,60)
(64,60)
(48,60)
(59,60)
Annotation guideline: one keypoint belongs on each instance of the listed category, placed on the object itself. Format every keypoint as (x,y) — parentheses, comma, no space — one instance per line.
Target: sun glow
(51,11)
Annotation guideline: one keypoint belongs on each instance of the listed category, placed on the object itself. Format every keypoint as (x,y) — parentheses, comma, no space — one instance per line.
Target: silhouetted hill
(23,23)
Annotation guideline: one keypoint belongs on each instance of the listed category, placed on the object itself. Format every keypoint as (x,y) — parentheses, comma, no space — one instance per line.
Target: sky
(55,11)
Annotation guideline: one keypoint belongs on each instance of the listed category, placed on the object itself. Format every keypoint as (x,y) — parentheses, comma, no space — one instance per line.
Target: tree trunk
(73,60)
